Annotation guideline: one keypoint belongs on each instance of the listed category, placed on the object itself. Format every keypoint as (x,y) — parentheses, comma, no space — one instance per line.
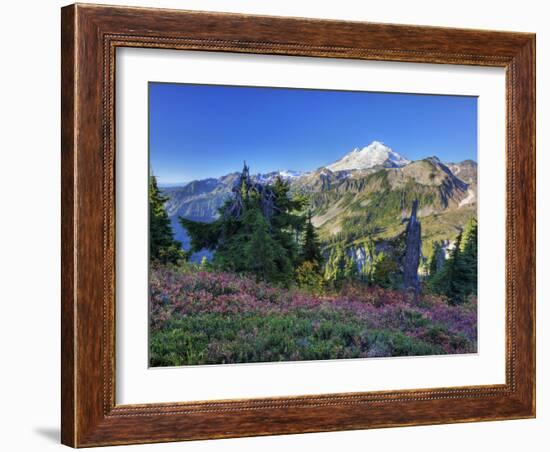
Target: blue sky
(199,131)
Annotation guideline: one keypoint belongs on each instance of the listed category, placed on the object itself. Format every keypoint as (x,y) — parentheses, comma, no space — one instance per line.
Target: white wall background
(29,224)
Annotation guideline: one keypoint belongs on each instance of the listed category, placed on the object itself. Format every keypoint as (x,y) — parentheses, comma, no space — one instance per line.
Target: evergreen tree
(350,268)
(340,267)
(435,263)
(367,269)
(334,269)
(468,249)
(458,278)
(451,283)
(384,269)
(308,277)
(287,205)
(162,246)
(264,255)
(287,222)
(255,231)
(311,249)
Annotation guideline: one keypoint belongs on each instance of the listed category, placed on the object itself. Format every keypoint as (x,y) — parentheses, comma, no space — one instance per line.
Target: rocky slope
(374,205)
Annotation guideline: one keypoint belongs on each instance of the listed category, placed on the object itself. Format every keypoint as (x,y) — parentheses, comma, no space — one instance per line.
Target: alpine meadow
(294,224)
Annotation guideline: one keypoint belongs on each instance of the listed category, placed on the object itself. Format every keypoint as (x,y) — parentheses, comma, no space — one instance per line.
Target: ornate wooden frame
(90,35)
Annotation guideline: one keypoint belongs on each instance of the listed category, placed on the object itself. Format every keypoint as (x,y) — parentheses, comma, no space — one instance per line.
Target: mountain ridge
(347,203)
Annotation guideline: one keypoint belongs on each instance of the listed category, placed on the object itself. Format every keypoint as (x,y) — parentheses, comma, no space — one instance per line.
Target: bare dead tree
(244,190)
(413,246)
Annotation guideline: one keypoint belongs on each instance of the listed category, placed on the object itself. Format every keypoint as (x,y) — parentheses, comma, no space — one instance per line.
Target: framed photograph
(281,225)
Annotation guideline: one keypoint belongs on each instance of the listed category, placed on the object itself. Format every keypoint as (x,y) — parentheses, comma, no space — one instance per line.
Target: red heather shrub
(187,292)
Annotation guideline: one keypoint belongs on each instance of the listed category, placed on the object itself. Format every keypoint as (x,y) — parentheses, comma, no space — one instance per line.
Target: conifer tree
(384,269)
(453,273)
(287,222)
(163,247)
(458,277)
(437,259)
(340,266)
(350,268)
(334,269)
(308,277)
(255,231)
(468,249)
(311,249)
(265,257)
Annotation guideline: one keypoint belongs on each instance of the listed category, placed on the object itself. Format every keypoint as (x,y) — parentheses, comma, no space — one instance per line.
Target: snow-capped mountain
(376,154)
(290,174)
(285,175)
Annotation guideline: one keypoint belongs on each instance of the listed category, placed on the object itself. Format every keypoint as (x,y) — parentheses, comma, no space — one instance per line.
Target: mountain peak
(375,154)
